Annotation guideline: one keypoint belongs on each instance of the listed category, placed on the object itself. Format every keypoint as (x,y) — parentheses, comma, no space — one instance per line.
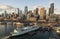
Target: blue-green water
(6,29)
(38,35)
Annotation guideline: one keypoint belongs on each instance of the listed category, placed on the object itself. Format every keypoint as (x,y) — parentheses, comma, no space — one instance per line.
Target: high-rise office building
(18,11)
(52,5)
(42,11)
(29,14)
(35,14)
(5,13)
(36,11)
(45,14)
(20,14)
(26,10)
(51,9)
(30,11)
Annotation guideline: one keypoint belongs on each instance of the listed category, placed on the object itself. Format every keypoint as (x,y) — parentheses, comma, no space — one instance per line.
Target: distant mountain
(8,8)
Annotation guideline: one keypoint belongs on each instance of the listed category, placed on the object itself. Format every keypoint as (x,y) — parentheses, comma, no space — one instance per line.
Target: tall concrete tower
(42,11)
(26,10)
(51,9)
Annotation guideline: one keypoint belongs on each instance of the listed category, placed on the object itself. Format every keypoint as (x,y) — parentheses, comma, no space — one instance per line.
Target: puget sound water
(5,29)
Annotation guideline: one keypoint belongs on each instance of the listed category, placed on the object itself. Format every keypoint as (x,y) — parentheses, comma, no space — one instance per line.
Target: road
(39,35)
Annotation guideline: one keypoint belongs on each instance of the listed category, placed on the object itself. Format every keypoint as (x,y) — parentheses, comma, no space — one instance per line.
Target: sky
(31,3)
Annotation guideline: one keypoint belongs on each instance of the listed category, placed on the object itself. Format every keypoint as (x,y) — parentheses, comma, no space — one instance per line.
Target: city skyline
(31,4)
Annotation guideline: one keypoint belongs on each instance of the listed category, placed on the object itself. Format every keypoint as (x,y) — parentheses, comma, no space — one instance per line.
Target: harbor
(21,32)
(29,19)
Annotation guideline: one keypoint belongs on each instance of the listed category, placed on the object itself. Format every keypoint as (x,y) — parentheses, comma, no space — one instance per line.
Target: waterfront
(37,20)
(6,29)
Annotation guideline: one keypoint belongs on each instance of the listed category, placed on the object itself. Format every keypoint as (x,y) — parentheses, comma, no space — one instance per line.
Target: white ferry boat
(23,30)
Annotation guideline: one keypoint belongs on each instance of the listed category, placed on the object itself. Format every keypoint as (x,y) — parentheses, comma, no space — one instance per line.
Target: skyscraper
(51,9)
(30,12)
(5,13)
(18,11)
(36,11)
(52,5)
(44,14)
(26,10)
(42,11)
